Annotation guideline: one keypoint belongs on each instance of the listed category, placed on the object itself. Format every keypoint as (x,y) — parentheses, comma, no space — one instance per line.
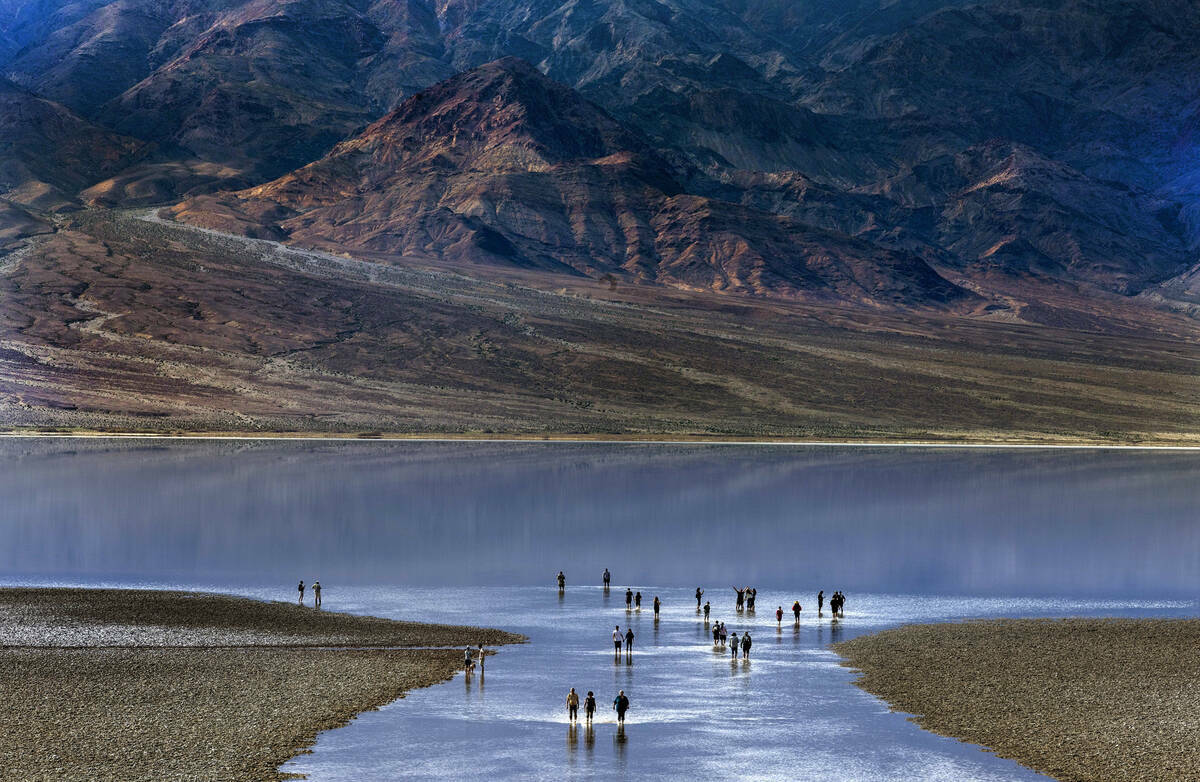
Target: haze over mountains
(1017,161)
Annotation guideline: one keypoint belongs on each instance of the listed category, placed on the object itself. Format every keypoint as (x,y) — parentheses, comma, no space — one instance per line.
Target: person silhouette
(301,589)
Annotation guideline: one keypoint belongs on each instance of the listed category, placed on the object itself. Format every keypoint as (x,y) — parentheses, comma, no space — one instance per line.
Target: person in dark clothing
(746,645)
(562,581)
(741,599)
(796,610)
(621,704)
(628,598)
(607,578)
(301,588)
(317,594)
(637,601)
(699,592)
(820,602)
(707,608)
(751,594)
(779,615)
(716,633)
(657,605)
(628,640)
(589,706)
(733,644)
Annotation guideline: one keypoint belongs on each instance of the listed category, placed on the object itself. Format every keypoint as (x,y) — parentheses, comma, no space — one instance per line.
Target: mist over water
(930,521)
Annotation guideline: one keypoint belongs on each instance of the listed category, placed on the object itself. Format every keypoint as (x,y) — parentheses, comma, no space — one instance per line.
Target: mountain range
(1022,162)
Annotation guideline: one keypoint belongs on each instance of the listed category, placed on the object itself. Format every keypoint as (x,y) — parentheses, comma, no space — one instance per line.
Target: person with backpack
(746,645)
(572,705)
(589,706)
(621,704)
(716,633)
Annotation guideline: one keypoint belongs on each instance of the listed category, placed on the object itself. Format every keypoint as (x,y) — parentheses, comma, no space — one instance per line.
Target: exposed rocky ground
(1082,700)
(120,323)
(140,685)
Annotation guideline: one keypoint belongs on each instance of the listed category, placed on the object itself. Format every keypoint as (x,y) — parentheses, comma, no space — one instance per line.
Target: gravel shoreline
(154,685)
(1081,700)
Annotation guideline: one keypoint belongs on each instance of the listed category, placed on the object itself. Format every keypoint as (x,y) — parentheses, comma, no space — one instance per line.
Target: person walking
(779,615)
(699,593)
(707,608)
(637,601)
(617,639)
(607,578)
(301,588)
(746,645)
(628,640)
(621,704)
(796,609)
(820,602)
(572,705)
(628,598)
(724,634)
(716,633)
(562,581)
(317,594)
(657,605)
(589,706)
(733,644)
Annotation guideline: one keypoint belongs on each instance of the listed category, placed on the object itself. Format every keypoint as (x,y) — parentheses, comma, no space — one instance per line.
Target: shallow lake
(475,532)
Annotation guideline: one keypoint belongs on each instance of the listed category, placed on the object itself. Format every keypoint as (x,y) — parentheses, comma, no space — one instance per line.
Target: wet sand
(1101,700)
(151,685)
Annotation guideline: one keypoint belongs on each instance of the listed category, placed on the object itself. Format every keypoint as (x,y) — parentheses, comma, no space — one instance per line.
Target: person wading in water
(621,704)
(589,706)
(657,605)
(746,645)
(628,598)
(607,578)
(562,581)
(572,705)
(699,594)
(796,609)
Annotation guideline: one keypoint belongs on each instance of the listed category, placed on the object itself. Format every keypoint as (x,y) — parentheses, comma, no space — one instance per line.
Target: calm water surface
(474,533)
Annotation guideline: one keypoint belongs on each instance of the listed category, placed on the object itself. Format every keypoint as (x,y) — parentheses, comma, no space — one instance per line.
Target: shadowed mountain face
(501,164)
(1000,143)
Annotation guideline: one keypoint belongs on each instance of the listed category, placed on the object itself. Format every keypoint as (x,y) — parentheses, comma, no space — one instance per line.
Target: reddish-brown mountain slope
(503,164)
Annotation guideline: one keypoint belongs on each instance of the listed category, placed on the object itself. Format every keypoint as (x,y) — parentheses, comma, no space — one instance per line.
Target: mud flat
(1077,699)
(142,685)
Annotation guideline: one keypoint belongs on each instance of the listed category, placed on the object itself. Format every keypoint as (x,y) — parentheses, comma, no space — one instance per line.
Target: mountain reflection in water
(1084,522)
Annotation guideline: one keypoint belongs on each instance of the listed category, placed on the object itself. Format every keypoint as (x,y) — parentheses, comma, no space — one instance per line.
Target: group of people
(316,590)
(837,603)
(745,598)
(796,609)
(469,660)
(618,638)
(620,706)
